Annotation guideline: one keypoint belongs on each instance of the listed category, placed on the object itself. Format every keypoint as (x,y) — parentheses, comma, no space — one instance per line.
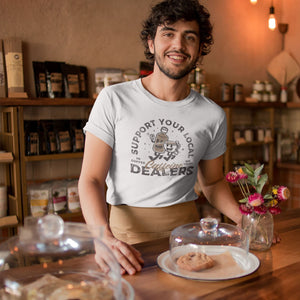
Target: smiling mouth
(175,57)
(178,57)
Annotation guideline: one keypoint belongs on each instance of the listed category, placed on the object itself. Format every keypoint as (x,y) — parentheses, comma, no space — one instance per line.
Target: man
(148,139)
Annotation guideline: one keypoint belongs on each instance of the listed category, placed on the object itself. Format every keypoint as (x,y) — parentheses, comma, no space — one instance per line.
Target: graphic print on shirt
(162,147)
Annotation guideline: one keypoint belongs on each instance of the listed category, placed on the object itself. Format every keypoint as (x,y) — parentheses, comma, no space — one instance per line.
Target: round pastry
(195,261)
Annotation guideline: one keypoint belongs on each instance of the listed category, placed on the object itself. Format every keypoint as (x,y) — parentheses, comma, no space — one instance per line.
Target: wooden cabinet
(242,116)
(10,222)
(287,172)
(21,169)
(10,160)
(41,168)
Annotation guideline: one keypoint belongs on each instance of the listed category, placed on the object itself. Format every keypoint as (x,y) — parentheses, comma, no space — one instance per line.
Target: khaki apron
(138,224)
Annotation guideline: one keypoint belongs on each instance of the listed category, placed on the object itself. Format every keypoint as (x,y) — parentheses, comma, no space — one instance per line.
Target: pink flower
(283,193)
(255,199)
(260,209)
(232,177)
(251,183)
(245,210)
(241,174)
(275,210)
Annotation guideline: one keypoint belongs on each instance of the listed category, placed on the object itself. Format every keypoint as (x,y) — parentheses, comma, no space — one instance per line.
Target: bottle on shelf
(283,94)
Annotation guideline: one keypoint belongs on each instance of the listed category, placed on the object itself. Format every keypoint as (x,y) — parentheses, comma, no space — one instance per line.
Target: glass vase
(260,230)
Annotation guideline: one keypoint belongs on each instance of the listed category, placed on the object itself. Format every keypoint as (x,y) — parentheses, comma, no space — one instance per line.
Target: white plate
(245,264)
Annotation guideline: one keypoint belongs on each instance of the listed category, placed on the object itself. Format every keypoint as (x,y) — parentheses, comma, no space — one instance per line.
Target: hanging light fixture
(272,20)
(253,1)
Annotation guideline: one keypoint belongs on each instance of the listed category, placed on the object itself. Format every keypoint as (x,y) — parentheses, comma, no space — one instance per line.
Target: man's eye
(190,38)
(168,34)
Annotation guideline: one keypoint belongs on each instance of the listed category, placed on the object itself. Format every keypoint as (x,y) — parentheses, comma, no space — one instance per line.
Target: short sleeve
(101,122)
(218,133)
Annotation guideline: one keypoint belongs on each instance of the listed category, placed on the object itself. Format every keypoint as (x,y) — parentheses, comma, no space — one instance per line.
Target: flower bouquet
(257,209)
(251,183)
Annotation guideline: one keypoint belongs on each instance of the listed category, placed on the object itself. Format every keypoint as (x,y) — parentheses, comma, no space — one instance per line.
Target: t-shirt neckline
(152,98)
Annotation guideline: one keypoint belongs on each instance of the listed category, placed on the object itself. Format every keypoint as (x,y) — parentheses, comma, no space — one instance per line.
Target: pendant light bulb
(253,1)
(272,20)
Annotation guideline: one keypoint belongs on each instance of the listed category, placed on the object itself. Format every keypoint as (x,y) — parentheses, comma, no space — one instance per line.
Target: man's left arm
(216,189)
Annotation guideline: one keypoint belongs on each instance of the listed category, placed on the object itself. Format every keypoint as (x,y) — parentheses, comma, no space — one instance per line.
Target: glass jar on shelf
(256,95)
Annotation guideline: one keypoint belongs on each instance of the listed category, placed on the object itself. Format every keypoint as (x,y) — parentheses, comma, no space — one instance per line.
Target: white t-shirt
(156,144)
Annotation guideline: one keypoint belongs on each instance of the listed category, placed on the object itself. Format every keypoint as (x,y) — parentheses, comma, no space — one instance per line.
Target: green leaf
(251,181)
(244,200)
(261,182)
(268,196)
(248,172)
(263,178)
(258,170)
(249,168)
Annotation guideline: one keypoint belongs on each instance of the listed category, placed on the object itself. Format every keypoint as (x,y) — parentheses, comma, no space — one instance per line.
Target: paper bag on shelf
(14,67)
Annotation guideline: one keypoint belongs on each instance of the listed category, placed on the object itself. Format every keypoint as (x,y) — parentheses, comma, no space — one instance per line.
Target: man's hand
(128,257)
(276,238)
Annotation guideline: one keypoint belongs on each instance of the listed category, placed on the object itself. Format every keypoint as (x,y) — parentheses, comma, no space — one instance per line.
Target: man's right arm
(92,189)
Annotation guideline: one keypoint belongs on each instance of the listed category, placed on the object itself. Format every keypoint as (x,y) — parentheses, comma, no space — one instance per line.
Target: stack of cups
(3,201)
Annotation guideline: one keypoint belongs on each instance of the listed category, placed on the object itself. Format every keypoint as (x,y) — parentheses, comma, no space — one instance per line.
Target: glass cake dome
(208,250)
(53,259)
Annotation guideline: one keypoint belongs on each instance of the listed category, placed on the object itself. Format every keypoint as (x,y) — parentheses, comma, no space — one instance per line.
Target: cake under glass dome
(226,245)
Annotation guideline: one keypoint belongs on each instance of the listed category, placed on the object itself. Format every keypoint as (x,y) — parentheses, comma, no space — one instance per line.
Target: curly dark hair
(171,11)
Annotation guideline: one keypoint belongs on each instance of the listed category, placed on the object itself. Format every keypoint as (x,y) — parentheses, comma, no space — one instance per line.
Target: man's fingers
(126,257)
(276,238)
(101,263)
(137,254)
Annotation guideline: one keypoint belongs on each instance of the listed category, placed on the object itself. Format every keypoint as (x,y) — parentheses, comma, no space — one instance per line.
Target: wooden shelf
(293,104)
(248,144)
(46,102)
(9,221)
(230,155)
(288,165)
(54,156)
(12,134)
(259,104)
(70,215)
(251,105)
(6,157)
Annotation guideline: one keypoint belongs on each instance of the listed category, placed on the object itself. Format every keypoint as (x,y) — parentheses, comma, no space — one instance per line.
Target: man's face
(176,48)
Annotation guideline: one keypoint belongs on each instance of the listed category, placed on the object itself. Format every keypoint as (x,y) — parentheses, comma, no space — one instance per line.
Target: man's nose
(179,42)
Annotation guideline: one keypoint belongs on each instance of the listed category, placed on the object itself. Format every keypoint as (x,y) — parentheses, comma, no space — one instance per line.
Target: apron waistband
(138,224)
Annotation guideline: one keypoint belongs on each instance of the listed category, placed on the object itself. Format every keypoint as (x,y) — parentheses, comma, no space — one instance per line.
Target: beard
(177,74)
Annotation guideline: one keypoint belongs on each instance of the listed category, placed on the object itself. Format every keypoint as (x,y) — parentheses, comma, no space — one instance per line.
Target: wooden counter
(278,276)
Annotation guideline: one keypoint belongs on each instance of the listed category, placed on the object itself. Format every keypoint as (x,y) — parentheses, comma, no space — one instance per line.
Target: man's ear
(151,45)
(200,50)
(200,59)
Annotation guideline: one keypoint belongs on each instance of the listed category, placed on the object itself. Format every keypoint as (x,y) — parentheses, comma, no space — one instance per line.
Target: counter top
(277,277)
